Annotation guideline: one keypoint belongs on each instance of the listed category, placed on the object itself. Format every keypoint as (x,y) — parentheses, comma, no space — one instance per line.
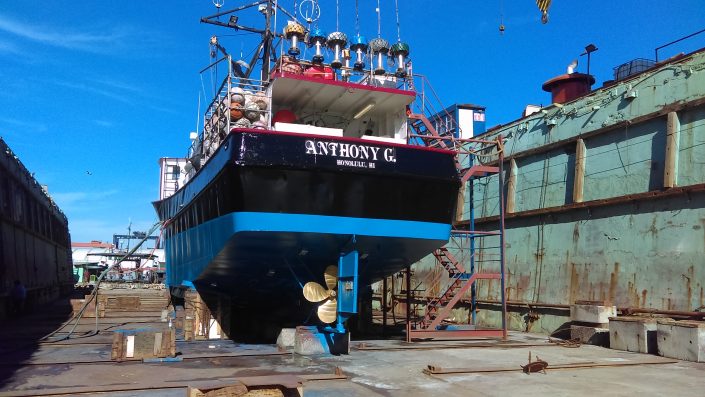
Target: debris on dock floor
(82,365)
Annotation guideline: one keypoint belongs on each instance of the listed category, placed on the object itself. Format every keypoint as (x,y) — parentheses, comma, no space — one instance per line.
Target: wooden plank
(172,343)
(188,327)
(158,345)
(579,180)
(228,391)
(512,186)
(673,133)
(117,350)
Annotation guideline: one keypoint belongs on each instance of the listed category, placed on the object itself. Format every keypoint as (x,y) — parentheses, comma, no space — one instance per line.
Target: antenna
(310,11)
(589,49)
(357,17)
(396,6)
(379,20)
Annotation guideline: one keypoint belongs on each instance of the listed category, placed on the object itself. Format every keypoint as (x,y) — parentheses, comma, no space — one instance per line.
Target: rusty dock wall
(35,246)
(605,202)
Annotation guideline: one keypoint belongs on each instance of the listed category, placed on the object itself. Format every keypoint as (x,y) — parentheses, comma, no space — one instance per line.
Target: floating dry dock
(82,364)
(605,194)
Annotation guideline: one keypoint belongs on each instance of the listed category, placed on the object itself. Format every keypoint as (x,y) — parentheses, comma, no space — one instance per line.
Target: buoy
(252,111)
(284,116)
(235,112)
(320,72)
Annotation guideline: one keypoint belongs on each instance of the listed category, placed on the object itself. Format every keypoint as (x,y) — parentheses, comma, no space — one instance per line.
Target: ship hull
(270,211)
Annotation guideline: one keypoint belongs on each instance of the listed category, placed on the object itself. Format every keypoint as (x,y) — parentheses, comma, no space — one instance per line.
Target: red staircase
(460,281)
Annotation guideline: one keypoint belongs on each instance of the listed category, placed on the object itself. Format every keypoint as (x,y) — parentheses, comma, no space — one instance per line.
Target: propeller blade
(328,312)
(331,276)
(314,292)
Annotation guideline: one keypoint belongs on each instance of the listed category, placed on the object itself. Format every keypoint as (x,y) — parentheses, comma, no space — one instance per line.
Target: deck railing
(236,102)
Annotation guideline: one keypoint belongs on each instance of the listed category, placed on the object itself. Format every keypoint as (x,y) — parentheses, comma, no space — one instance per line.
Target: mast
(264,49)
(267,40)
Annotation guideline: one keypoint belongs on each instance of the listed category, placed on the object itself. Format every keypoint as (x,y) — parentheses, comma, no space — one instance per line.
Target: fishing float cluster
(243,109)
(377,49)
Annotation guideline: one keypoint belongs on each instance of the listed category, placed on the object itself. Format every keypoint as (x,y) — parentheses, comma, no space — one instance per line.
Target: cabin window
(173,172)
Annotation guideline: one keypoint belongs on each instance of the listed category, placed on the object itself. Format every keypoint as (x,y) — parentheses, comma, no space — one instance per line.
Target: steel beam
(456,334)
(652,195)
(478,170)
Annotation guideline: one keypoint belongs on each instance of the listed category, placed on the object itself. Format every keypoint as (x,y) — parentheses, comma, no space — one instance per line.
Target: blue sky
(95,92)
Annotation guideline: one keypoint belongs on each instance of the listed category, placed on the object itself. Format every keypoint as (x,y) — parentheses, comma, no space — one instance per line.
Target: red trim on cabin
(344,138)
(355,86)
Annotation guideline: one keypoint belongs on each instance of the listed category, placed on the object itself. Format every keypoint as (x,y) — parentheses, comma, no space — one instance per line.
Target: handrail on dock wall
(676,41)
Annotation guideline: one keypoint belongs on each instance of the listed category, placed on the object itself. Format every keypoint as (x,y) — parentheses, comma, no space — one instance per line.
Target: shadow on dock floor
(20,336)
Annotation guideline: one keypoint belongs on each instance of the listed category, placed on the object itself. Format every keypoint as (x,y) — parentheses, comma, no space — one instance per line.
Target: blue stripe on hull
(190,252)
(273,222)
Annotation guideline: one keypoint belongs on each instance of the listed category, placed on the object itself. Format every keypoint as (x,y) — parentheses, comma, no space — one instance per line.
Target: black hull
(263,217)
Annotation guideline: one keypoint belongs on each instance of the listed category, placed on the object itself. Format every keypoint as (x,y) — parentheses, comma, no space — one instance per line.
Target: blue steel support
(347,288)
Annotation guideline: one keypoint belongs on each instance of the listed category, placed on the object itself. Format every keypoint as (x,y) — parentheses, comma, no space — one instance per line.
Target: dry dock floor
(82,366)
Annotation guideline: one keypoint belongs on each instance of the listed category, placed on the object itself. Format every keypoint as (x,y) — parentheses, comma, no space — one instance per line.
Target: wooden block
(264,393)
(158,345)
(117,351)
(172,343)
(77,305)
(124,302)
(145,343)
(188,328)
(235,390)
(193,392)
